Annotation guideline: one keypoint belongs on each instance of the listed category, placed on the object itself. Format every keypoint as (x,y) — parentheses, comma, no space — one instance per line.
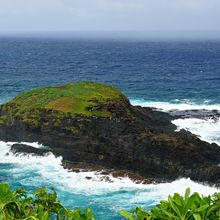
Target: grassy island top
(84,98)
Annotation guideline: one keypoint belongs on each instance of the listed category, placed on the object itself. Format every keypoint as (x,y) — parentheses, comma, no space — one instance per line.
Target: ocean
(166,75)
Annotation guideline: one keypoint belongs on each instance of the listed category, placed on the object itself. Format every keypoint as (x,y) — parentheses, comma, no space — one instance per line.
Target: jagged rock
(105,129)
(27,149)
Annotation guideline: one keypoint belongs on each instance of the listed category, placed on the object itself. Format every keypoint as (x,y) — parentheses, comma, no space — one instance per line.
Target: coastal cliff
(95,123)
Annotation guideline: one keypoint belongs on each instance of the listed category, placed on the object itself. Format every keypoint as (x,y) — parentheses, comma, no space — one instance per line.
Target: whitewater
(206,128)
(169,76)
(92,188)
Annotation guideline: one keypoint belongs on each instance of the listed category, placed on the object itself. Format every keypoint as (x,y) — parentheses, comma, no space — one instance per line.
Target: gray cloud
(110,15)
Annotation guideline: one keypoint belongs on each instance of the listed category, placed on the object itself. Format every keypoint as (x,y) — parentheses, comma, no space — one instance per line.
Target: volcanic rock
(94,123)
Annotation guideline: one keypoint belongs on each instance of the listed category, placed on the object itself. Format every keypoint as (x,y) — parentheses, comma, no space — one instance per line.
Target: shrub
(41,206)
(44,205)
(187,207)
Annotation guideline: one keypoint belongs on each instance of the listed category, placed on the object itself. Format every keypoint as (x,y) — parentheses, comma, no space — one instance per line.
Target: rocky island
(93,123)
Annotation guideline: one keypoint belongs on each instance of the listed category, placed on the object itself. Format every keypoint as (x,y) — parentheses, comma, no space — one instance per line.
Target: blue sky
(163,16)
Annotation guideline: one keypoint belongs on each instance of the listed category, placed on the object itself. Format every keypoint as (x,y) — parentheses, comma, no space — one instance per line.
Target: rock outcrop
(94,123)
(24,149)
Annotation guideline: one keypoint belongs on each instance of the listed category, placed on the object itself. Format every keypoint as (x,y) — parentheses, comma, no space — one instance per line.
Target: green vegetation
(17,205)
(86,98)
(187,207)
(51,107)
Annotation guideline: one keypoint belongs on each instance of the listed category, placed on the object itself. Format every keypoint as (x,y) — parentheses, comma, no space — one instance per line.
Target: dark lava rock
(27,149)
(196,113)
(136,139)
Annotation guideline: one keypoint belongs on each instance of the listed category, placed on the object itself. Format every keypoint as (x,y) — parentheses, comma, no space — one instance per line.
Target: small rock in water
(27,149)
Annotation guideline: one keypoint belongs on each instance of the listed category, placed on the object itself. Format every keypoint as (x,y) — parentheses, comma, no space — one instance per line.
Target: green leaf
(174,207)
(127,215)
(202,208)
(168,214)
(45,216)
(197,216)
(187,193)
(4,188)
(75,215)
(212,209)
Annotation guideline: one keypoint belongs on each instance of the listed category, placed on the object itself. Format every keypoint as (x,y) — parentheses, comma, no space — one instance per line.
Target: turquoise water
(75,190)
(165,75)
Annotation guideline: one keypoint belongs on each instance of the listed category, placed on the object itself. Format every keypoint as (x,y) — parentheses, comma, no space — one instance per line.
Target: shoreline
(137,142)
(119,173)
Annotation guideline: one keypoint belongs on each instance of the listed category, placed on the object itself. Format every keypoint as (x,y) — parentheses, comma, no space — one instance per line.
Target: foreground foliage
(43,205)
(187,207)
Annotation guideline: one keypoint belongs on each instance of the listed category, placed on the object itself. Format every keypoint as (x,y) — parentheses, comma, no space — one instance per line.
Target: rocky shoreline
(24,149)
(159,154)
(132,138)
(85,167)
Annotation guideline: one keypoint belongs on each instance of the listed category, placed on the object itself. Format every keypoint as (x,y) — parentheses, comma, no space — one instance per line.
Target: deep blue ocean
(143,70)
(167,75)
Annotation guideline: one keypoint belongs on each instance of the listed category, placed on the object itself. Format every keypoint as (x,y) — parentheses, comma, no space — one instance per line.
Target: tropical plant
(9,203)
(137,214)
(177,207)
(42,205)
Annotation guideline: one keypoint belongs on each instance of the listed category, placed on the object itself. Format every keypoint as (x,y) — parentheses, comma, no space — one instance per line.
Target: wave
(104,192)
(49,169)
(208,129)
(168,106)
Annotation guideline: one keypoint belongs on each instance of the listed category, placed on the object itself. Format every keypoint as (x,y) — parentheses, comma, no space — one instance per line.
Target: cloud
(101,15)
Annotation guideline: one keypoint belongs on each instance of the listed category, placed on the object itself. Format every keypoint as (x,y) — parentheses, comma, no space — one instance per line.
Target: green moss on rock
(84,99)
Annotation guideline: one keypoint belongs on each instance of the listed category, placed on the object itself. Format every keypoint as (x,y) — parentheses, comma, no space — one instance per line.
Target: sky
(132,17)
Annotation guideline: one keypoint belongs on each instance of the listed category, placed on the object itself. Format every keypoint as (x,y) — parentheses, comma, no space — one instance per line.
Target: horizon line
(115,35)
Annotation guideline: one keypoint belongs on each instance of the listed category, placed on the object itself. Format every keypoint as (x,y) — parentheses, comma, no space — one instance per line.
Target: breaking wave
(80,189)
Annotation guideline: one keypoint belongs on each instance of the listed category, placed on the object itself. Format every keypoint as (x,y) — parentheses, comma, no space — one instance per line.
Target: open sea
(165,75)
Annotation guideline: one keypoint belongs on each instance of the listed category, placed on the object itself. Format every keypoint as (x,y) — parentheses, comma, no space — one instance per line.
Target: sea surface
(166,75)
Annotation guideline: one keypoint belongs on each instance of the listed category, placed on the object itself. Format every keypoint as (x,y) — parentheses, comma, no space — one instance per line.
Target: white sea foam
(166,106)
(207,129)
(50,170)
(161,191)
